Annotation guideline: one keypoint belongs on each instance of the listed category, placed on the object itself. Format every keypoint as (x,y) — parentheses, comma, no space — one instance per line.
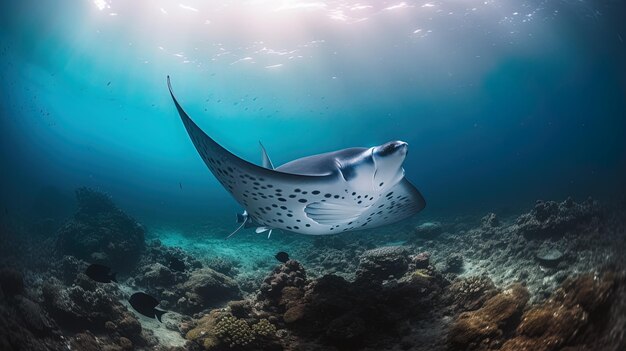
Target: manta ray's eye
(388,149)
(391,147)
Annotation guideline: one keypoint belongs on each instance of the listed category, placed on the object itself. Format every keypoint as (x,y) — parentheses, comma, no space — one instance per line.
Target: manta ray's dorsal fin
(266,162)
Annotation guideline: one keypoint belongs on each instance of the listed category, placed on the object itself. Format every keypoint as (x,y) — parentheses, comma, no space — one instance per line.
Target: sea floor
(551,278)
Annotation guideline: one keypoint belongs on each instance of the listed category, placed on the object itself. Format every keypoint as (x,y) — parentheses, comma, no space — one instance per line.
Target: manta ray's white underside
(303,196)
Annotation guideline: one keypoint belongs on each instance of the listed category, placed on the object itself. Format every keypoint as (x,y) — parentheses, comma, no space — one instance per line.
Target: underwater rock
(552,219)
(347,329)
(84,341)
(468,294)
(206,288)
(156,252)
(420,261)
(294,313)
(428,230)
(292,303)
(100,232)
(224,266)
(342,262)
(11,282)
(156,275)
(383,263)
(549,257)
(575,315)
(489,323)
(490,221)
(329,300)
(454,263)
(290,274)
(34,317)
(347,315)
(78,309)
(24,325)
(68,268)
(240,308)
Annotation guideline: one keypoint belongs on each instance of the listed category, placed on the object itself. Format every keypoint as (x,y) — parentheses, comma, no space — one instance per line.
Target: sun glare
(101,4)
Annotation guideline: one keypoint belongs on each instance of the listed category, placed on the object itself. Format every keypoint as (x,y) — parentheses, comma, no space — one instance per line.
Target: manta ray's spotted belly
(310,210)
(319,200)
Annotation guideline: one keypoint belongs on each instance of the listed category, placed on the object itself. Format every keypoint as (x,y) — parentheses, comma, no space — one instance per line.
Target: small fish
(109,83)
(100,273)
(145,304)
(282,257)
(177,264)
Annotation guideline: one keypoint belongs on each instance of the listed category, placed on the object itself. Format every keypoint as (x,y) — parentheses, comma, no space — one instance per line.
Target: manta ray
(334,192)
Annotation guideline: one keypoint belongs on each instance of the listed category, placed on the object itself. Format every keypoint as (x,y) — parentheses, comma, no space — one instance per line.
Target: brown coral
(572,311)
(294,314)
(489,322)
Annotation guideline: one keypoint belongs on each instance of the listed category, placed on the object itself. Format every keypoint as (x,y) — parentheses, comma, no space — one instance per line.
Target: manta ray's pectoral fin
(330,213)
(266,162)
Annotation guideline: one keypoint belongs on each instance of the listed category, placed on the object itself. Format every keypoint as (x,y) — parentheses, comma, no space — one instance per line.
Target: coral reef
(549,218)
(290,274)
(100,232)
(84,306)
(219,330)
(428,230)
(383,263)
(40,323)
(206,288)
(574,316)
(225,266)
(485,284)
(468,294)
(485,327)
(454,263)
(338,313)
(420,261)
(191,290)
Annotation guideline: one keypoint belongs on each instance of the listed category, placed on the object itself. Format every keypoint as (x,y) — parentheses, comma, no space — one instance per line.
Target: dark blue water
(501,102)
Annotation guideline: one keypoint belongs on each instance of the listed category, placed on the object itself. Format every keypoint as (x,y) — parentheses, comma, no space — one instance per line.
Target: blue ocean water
(501,102)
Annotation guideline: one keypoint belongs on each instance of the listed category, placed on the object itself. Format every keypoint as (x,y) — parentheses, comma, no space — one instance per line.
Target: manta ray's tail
(238,228)
(241,218)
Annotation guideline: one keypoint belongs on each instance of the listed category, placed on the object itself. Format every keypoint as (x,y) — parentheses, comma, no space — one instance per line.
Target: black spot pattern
(262,199)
